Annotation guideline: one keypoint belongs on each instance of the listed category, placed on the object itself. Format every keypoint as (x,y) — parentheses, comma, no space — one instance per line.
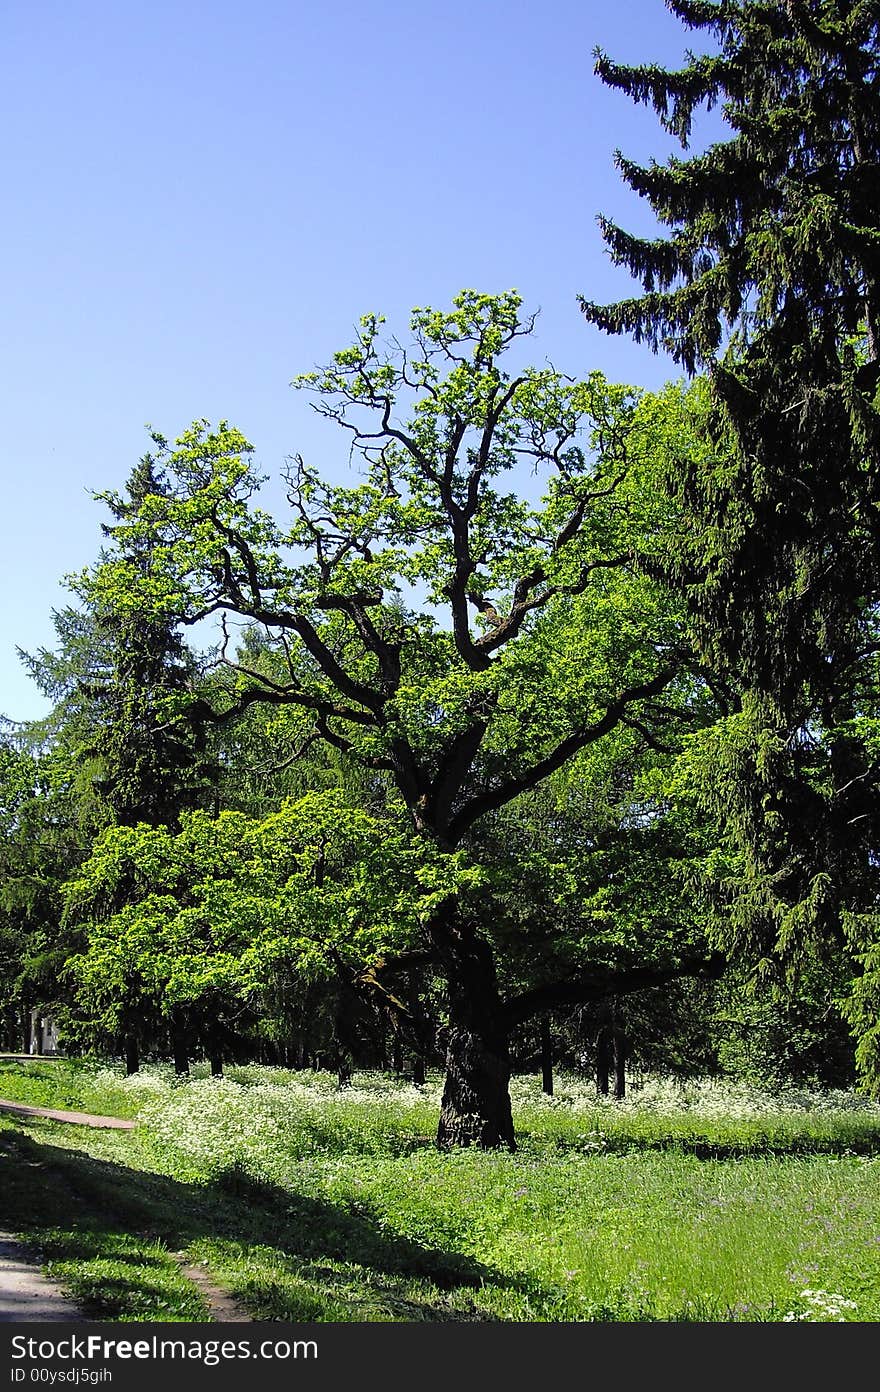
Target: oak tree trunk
(475,1109)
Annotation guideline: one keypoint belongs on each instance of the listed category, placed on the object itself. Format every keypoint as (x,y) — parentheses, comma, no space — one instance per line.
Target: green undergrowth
(709,1202)
(82,1085)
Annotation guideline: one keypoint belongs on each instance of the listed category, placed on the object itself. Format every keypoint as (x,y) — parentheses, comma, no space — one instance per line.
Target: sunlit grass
(703,1202)
(70,1085)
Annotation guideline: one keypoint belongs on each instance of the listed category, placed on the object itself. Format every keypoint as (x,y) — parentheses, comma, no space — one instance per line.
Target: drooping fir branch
(785,212)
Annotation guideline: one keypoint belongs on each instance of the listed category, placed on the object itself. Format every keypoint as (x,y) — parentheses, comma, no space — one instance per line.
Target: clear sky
(202,199)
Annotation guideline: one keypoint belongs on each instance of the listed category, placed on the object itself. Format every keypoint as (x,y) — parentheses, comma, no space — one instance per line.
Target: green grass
(97,1239)
(703,1203)
(67,1085)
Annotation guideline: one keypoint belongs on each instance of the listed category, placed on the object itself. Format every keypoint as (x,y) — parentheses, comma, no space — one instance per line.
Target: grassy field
(704,1202)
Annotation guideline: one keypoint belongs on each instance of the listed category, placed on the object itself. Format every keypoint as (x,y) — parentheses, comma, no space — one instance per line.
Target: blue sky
(201,200)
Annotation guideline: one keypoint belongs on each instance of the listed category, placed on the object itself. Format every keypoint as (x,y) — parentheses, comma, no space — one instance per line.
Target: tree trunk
(179,1050)
(418,1070)
(620,1052)
(216,1065)
(546,1058)
(132,1054)
(603,1062)
(475,1109)
(607,1052)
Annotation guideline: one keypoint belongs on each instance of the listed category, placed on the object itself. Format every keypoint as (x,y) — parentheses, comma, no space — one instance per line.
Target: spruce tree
(153,760)
(778,225)
(767,276)
(770,277)
(152,757)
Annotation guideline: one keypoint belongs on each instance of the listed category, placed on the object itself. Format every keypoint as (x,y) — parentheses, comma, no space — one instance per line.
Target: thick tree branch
(452,771)
(505,792)
(597,985)
(387,653)
(331,667)
(507,627)
(289,694)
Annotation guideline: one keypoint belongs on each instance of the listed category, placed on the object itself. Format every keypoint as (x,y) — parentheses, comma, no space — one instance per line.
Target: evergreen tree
(147,759)
(775,240)
(153,761)
(44,827)
(769,276)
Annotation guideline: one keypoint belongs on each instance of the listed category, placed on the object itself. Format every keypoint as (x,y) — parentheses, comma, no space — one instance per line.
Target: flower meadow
(706,1201)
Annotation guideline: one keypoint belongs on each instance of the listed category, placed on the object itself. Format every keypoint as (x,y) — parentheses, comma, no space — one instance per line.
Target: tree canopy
(456,640)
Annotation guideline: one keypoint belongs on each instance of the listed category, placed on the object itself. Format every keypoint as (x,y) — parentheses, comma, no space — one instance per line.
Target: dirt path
(223,1307)
(25,1293)
(78,1118)
(33,1058)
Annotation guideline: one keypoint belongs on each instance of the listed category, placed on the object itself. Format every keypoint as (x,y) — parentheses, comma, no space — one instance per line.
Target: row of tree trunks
(475,1108)
(612,1048)
(612,1051)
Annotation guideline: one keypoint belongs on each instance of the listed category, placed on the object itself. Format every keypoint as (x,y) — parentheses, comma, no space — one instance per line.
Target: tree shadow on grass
(286,1255)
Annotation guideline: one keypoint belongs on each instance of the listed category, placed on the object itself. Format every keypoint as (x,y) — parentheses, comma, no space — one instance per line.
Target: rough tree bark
(475,1109)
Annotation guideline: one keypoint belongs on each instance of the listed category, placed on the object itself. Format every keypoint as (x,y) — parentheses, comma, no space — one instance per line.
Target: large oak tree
(454,637)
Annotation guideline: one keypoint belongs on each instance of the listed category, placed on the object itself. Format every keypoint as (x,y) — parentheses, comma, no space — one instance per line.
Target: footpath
(25,1293)
(78,1118)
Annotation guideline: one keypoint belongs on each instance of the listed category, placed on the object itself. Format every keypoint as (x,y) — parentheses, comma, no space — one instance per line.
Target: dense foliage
(565,705)
(768,276)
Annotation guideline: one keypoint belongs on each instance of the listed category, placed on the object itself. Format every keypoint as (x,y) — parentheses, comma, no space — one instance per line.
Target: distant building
(44,1034)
